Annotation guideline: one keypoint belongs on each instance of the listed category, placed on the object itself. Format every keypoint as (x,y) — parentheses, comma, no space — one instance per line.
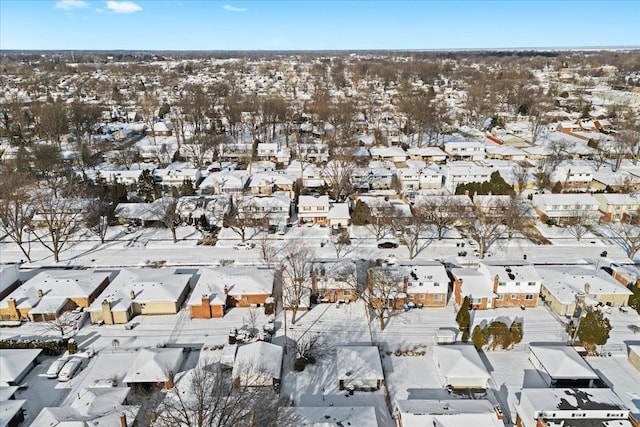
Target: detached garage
(359,368)
(461,367)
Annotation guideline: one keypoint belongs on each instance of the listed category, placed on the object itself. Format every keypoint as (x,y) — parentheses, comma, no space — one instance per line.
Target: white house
(258,364)
(465,150)
(462,172)
(563,208)
(460,366)
(359,367)
(445,413)
(313,209)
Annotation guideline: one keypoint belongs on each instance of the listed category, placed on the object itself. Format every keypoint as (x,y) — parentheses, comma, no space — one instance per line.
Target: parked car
(387,245)
(244,245)
(55,367)
(69,369)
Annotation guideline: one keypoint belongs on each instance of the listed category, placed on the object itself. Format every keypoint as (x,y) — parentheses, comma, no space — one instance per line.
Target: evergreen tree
(463,319)
(361,214)
(594,329)
(634,299)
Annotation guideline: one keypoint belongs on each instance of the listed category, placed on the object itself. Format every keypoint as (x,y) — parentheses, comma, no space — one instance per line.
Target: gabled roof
(562,362)
(13,363)
(153,365)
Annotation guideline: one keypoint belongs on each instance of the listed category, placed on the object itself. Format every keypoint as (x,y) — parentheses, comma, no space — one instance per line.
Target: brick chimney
(496,280)
(123,420)
(13,309)
(107,315)
(40,293)
(206,306)
(132,294)
(405,284)
(226,290)
(170,380)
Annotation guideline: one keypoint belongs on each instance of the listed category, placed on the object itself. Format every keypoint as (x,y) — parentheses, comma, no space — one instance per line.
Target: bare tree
(412,230)
(164,211)
(52,121)
(521,175)
(243,215)
(295,266)
(441,212)
(627,236)
(16,208)
(338,171)
(97,217)
(59,214)
(483,228)
(206,397)
(580,223)
(384,287)
(341,243)
(381,222)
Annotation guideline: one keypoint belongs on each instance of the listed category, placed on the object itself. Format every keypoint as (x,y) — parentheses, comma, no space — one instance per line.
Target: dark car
(387,245)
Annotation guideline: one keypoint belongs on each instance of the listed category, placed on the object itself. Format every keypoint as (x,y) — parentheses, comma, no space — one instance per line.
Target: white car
(244,245)
(69,369)
(55,367)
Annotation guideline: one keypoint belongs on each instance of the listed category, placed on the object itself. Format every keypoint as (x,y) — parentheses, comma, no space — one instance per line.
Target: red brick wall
(517,301)
(246,300)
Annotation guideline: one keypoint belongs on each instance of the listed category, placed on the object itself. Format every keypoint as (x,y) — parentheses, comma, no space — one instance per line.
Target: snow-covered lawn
(416,327)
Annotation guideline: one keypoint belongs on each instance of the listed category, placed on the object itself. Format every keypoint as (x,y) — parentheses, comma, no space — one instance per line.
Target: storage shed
(461,367)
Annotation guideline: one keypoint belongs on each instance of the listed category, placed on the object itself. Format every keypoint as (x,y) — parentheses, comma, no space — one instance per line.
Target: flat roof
(561,361)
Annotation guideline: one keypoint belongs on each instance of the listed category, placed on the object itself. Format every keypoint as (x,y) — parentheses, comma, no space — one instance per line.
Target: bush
(299,364)
(634,299)
(51,348)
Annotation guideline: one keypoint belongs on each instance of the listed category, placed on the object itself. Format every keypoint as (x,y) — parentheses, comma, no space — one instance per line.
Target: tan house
(565,289)
(50,293)
(144,291)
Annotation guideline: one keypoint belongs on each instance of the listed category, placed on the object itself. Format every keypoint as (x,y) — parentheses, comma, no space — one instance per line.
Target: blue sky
(315,25)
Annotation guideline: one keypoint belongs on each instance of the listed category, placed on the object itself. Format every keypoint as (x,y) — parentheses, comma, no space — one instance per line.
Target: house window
(245,298)
(420,296)
(500,297)
(306,208)
(436,284)
(532,283)
(346,292)
(514,296)
(529,297)
(437,297)
(502,284)
(476,300)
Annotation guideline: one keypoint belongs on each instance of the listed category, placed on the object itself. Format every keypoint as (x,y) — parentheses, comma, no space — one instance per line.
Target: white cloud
(123,6)
(71,4)
(230,8)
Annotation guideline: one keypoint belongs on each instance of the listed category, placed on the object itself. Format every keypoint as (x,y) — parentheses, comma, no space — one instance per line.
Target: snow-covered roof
(460,361)
(334,416)
(510,271)
(238,281)
(57,286)
(359,361)
(572,399)
(259,357)
(562,362)
(9,409)
(447,413)
(474,283)
(14,362)
(338,211)
(148,285)
(313,201)
(153,365)
(566,282)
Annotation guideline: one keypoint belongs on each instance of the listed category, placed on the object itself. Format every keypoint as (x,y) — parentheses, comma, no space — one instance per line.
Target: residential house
(203,210)
(462,172)
(267,183)
(465,150)
(269,210)
(431,178)
(452,412)
(619,207)
(573,177)
(92,406)
(338,216)
(273,152)
(144,213)
(333,281)
(313,209)
(236,286)
(505,152)
(570,407)
(359,367)
(562,367)
(409,178)
(392,154)
(168,178)
(381,178)
(567,289)
(427,284)
(9,279)
(50,293)
(128,178)
(161,129)
(258,364)
(515,284)
(154,367)
(317,153)
(144,291)
(478,286)
(225,182)
(427,154)
(308,416)
(15,364)
(460,366)
(565,208)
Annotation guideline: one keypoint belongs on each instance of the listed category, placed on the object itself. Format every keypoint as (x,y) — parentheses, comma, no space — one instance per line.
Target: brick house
(514,283)
(332,281)
(313,209)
